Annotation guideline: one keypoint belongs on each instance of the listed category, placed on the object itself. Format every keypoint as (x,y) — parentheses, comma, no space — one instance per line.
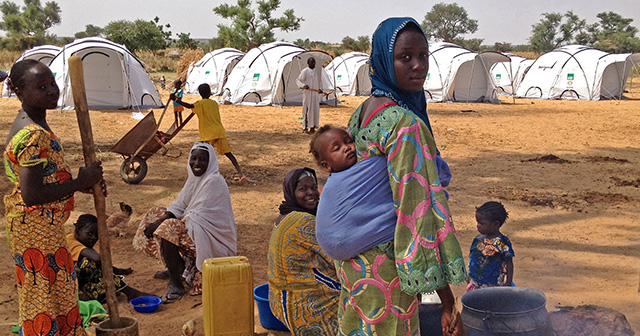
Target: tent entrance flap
(104,78)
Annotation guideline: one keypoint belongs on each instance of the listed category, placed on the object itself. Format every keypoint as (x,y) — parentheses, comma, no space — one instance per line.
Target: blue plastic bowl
(146,304)
(267,319)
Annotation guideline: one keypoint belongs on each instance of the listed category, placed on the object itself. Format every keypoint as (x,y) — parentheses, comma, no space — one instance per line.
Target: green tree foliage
(165,33)
(555,30)
(502,47)
(306,43)
(471,44)
(361,44)
(251,28)
(185,41)
(89,31)
(27,26)
(30,20)
(136,35)
(613,33)
(213,44)
(447,22)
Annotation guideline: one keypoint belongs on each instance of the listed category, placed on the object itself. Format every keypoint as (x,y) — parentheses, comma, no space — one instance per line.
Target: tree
(447,22)
(32,20)
(613,33)
(213,44)
(251,28)
(471,44)
(186,42)
(361,44)
(555,30)
(306,43)
(502,47)
(89,31)
(166,34)
(136,35)
(26,27)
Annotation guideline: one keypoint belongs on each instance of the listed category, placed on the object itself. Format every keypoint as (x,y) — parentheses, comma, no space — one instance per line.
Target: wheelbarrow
(141,142)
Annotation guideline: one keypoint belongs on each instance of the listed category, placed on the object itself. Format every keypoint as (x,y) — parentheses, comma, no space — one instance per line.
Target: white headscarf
(205,205)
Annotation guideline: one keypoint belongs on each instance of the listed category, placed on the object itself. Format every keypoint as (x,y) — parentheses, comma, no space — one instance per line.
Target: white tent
(578,72)
(213,69)
(43,53)
(461,75)
(507,75)
(114,78)
(350,73)
(267,75)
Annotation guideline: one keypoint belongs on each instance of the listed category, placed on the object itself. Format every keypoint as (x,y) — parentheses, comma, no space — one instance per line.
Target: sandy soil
(567,172)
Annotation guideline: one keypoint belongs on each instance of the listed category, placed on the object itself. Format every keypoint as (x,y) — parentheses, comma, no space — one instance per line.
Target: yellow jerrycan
(227,296)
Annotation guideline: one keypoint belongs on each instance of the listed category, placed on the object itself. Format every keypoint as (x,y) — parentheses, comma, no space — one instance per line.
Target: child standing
(88,265)
(177,108)
(163,82)
(491,255)
(210,125)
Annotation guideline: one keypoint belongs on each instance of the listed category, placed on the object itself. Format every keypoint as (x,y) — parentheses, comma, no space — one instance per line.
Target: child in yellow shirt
(88,267)
(210,125)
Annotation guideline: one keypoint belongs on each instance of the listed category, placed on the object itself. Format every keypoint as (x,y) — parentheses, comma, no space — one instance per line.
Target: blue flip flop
(177,296)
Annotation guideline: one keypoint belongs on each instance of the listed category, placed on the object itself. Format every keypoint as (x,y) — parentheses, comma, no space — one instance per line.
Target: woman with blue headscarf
(380,286)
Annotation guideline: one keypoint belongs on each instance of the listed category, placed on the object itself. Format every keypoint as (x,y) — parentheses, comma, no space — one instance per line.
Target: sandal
(243,180)
(171,297)
(162,275)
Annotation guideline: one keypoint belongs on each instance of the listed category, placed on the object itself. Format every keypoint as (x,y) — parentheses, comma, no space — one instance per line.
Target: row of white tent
(114,78)
(266,74)
(569,72)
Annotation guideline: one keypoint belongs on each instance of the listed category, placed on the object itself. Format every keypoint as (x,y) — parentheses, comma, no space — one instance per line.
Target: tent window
(94,52)
(545,66)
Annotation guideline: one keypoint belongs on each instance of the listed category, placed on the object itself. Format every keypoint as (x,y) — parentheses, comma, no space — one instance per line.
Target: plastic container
(146,304)
(227,300)
(267,319)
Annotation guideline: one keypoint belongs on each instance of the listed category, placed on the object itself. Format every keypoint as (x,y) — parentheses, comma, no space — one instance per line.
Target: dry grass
(188,57)
(526,54)
(7,58)
(157,61)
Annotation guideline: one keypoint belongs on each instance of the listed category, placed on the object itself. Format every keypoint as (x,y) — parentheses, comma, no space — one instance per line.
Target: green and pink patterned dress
(380,286)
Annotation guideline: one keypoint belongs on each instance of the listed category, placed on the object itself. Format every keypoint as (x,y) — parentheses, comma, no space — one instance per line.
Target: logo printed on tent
(207,72)
(570,77)
(256,77)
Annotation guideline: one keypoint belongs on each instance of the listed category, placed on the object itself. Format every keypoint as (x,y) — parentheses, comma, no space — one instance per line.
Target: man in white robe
(308,83)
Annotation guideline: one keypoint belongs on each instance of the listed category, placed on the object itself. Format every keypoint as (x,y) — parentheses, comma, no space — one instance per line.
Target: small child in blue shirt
(177,108)
(491,255)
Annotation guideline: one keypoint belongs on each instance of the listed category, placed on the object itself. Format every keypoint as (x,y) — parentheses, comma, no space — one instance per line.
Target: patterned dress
(379,286)
(303,286)
(487,259)
(90,286)
(44,268)
(174,231)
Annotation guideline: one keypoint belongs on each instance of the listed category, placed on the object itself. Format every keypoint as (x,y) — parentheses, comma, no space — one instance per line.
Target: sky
(331,20)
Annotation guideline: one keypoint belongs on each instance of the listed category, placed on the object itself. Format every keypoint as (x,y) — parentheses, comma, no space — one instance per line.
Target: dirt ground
(568,173)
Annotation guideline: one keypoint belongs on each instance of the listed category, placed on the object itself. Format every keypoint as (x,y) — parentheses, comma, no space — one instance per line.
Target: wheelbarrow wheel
(134,171)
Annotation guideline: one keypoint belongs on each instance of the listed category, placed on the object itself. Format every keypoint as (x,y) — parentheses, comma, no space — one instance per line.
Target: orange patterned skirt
(174,231)
(47,285)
